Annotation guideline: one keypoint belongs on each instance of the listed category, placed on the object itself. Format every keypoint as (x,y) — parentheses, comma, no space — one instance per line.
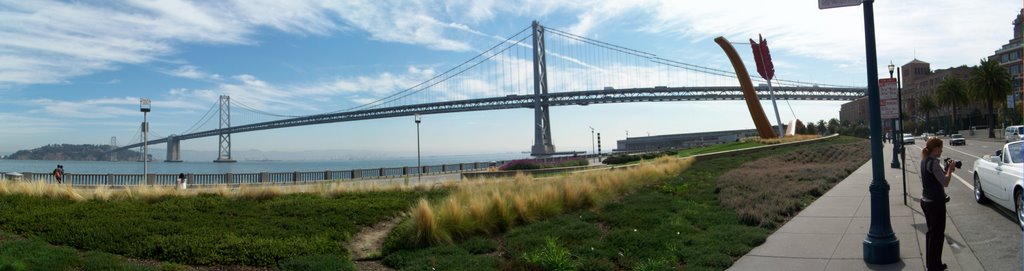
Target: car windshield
(958,136)
(1020,130)
(1015,156)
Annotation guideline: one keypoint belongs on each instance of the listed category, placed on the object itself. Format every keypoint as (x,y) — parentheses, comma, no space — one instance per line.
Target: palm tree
(952,93)
(821,127)
(926,105)
(989,83)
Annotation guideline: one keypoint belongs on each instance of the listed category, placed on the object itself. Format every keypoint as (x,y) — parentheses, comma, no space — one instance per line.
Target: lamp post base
(881,250)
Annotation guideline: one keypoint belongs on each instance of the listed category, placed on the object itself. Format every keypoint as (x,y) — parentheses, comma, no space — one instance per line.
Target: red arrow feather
(763,58)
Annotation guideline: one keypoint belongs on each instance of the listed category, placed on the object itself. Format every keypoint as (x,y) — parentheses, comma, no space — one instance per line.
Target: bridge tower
(113,146)
(173,149)
(542,145)
(224,148)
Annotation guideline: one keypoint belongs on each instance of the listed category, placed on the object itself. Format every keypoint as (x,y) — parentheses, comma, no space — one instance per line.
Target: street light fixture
(144,106)
(419,171)
(895,145)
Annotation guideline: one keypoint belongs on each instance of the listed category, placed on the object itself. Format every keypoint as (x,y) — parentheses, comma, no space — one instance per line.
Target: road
(990,231)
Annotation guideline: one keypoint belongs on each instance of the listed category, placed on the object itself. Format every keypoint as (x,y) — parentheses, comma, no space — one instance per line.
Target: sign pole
(880,245)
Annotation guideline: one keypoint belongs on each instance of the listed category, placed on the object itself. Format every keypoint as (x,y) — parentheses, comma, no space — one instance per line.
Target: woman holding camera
(933,201)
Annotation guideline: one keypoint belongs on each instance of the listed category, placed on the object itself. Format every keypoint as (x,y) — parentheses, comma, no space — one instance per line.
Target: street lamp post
(419,171)
(895,145)
(144,106)
(903,150)
(593,149)
(880,245)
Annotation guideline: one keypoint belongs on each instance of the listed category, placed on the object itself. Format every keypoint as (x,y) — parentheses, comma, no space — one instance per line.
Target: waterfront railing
(296,177)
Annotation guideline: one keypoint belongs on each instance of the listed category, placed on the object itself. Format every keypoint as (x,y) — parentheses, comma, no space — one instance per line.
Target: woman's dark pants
(935,215)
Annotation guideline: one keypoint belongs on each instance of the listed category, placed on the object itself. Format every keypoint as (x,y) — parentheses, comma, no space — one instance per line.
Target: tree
(926,105)
(811,128)
(821,127)
(833,126)
(953,93)
(989,83)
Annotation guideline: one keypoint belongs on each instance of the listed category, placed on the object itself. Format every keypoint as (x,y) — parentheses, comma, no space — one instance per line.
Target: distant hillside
(87,152)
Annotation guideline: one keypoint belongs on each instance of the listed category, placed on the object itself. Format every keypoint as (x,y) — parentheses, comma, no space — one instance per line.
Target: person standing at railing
(182,181)
(58,174)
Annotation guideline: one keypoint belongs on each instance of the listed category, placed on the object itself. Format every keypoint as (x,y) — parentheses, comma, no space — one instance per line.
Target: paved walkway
(829,234)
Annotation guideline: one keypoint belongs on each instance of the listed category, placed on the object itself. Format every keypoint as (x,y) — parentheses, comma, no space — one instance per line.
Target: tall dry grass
(40,188)
(496,204)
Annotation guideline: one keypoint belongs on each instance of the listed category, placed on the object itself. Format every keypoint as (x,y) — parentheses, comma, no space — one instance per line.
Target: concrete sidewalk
(829,234)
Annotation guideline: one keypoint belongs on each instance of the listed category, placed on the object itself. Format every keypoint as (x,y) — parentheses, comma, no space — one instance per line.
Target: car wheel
(979,195)
(1020,208)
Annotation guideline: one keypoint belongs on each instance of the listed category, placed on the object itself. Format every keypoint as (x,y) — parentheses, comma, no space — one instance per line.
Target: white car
(908,139)
(997,178)
(1013,133)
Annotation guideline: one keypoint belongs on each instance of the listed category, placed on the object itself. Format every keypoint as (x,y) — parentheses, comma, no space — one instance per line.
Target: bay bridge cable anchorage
(567,69)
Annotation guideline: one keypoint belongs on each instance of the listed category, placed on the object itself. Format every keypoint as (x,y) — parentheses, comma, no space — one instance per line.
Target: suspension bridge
(536,68)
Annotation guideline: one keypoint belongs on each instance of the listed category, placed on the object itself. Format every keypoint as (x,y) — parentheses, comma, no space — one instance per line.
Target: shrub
(447,257)
(524,164)
(551,256)
(317,262)
(767,191)
(479,245)
(531,164)
(206,229)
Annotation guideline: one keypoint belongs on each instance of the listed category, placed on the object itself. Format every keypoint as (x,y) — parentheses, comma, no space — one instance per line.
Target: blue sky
(73,72)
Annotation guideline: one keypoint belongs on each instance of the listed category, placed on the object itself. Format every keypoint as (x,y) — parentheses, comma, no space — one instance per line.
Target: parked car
(908,139)
(957,140)
(997,178)
(940,133)
(1013,133)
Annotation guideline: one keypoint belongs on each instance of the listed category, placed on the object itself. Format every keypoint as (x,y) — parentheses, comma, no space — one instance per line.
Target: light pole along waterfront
(593,148)
(144,106)
(419,167)
(895,145)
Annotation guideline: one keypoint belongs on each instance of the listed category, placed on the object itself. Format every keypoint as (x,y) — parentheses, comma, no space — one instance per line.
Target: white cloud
(50,42)
(192,72)
(938,32)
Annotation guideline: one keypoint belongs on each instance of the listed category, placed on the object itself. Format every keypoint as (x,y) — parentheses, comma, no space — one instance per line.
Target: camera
(956,163)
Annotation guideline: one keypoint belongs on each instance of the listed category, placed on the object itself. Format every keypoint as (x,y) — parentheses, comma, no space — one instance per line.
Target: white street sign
(887,95)
(827,4)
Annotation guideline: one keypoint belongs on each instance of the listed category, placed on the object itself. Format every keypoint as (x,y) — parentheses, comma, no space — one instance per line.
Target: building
(682,141)
(918,79)
(1009,56)
(854,112)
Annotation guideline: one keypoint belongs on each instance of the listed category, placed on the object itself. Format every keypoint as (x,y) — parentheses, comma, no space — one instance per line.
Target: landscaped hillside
(86,152)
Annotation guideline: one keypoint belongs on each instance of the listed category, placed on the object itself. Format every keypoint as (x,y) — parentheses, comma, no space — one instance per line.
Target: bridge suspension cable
(202,120)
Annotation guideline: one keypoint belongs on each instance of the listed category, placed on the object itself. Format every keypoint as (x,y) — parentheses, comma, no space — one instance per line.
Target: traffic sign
(887,95)
(827,4)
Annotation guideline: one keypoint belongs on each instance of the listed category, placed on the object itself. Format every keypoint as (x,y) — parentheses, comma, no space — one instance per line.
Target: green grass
(717,148)
(678,224)
(204,229)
